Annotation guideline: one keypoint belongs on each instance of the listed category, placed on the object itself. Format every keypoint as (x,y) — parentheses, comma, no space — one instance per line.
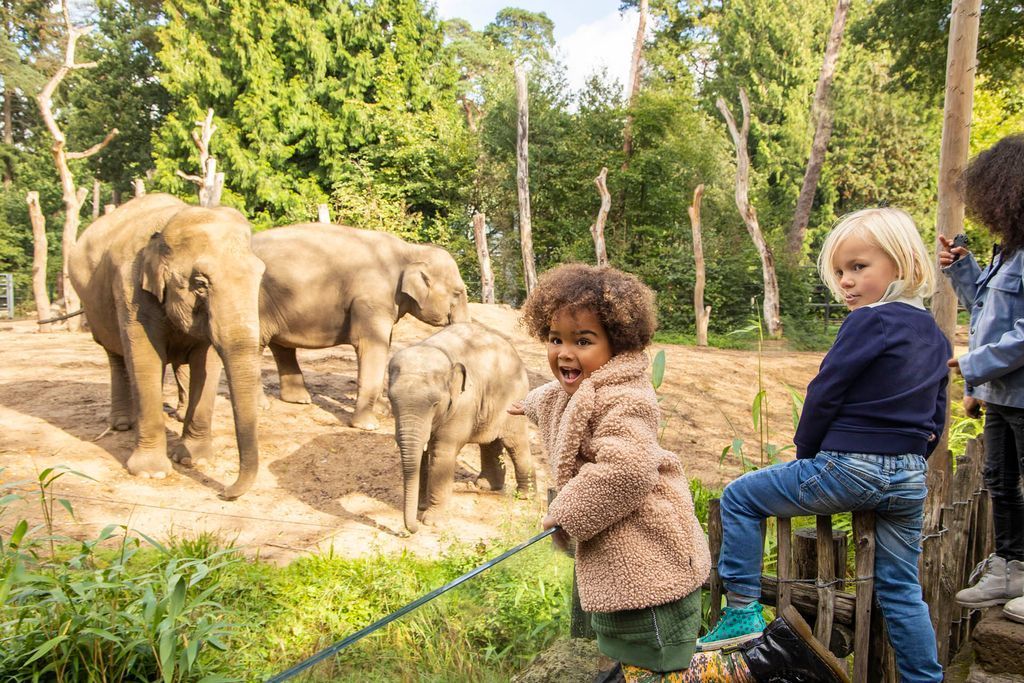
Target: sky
(589,34)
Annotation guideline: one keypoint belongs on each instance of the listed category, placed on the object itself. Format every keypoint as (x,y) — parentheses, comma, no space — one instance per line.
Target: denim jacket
(993,368)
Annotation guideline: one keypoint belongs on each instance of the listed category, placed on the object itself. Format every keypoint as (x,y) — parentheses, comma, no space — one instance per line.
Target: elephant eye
(200,284)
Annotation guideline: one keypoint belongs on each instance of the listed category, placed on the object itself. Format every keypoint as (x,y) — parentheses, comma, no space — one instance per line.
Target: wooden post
(523,177)
(39,244)
(323,213)
(805,554)
(74,197)
(826,575)
(715,543)
(597,229)
(749,213)
(95,198)
(821,119)
(956,131)
(864,537)
(702,312)
(484,257)
(783,561)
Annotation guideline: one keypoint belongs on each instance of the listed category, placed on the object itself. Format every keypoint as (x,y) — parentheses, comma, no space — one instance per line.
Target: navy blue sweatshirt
(881,388)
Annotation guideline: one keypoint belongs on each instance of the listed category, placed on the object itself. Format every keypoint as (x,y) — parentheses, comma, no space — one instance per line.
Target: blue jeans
(891,485)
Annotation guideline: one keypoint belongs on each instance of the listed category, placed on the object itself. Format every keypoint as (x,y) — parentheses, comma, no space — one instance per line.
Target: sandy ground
(322,484)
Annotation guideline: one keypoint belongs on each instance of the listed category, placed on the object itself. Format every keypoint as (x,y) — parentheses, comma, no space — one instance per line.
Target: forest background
(403,122)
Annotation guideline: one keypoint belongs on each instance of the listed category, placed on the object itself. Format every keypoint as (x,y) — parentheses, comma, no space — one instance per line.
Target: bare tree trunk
(702,312)
(749,214)
(8,134)
(73,197)
(821,117)
(95,198)
(961,60)
(323,213)
(634,82)
(139,187)
(107,208)
(597,229)
(210,183)
(523,179)
(484,256)
(39,244)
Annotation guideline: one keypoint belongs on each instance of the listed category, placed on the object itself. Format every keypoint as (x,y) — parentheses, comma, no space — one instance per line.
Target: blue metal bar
(358,635)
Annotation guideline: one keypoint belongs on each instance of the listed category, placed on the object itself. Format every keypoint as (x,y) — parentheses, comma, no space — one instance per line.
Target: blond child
(871,417)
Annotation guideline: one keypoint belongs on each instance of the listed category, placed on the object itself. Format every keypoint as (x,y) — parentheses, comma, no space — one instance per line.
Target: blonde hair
(891,230)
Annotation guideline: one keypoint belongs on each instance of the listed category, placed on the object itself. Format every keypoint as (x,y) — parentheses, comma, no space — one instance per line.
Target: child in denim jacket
(870,418)
(993,368)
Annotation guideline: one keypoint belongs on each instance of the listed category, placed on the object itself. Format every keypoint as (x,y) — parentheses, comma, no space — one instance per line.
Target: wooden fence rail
(964,536)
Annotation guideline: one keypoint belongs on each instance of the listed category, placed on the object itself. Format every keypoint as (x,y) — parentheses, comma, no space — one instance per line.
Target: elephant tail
(80,311)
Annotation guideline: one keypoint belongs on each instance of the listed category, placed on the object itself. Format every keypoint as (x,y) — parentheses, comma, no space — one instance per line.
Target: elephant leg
(517,442)
(121,417)
(424,501)
(293,388)
(181,381)
(197,433)
(440,480)
(145,363)
(492,469)
(371,341)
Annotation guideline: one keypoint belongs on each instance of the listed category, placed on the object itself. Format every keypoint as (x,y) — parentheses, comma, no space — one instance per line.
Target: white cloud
(606,42)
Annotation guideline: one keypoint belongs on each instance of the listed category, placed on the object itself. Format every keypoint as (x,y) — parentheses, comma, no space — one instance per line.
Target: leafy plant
(73,611)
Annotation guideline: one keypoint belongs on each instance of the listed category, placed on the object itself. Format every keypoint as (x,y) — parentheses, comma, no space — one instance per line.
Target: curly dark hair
(993,190)
(623,304)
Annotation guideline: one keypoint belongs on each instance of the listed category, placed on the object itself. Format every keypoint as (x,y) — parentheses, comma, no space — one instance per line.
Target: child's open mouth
(570,375)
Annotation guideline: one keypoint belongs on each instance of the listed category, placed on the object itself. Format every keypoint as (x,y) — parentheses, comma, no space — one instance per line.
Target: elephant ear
(154,266)
(457,380)
(416,282)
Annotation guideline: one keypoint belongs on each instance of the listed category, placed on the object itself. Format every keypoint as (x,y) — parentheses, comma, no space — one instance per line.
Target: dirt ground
(322,484)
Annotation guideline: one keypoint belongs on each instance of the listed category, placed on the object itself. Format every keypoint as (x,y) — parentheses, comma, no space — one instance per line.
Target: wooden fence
(812,575)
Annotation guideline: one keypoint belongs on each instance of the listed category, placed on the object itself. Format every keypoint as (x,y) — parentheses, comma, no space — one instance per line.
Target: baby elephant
(449,390)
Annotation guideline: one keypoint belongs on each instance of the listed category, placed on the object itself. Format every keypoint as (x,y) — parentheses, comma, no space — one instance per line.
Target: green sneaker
(737,625)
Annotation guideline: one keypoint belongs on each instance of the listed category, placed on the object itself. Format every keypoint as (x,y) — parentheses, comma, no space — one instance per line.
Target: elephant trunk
(460,312)
(412,434)
(241,358)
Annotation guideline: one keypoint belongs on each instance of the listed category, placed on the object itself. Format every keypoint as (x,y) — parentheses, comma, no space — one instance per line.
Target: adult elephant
(329,284)
(161,282)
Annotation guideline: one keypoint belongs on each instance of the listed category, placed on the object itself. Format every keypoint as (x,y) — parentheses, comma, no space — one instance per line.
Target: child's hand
(972,406)
(517,409)
(948,253)
(955,364)
(559,538)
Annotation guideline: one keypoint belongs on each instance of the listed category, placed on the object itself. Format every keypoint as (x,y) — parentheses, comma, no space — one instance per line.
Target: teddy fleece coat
(624,498)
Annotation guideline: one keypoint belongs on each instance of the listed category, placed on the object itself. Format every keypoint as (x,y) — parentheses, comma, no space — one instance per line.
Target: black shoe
(787,652)
(612,675)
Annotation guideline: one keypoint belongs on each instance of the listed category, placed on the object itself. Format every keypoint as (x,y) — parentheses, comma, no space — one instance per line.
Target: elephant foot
(120,423)
(149,464)
(366,422)
(264,402)
(487,483)
(295,394)
(190,450)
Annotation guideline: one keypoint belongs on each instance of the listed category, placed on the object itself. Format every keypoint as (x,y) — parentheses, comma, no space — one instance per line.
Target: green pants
(660,638)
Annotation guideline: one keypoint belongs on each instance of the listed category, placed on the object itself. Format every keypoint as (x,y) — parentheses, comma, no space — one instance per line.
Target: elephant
(161,282)
(454,388)
(330,284)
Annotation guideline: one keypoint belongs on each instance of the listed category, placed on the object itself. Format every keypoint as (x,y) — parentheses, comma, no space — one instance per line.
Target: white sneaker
(1014,610)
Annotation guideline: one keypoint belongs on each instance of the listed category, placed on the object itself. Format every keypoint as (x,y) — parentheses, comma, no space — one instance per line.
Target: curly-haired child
(871,416)
(993,368)
(641,553)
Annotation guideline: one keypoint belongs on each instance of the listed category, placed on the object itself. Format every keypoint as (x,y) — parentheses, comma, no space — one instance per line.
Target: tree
(749,214)
(73,196)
